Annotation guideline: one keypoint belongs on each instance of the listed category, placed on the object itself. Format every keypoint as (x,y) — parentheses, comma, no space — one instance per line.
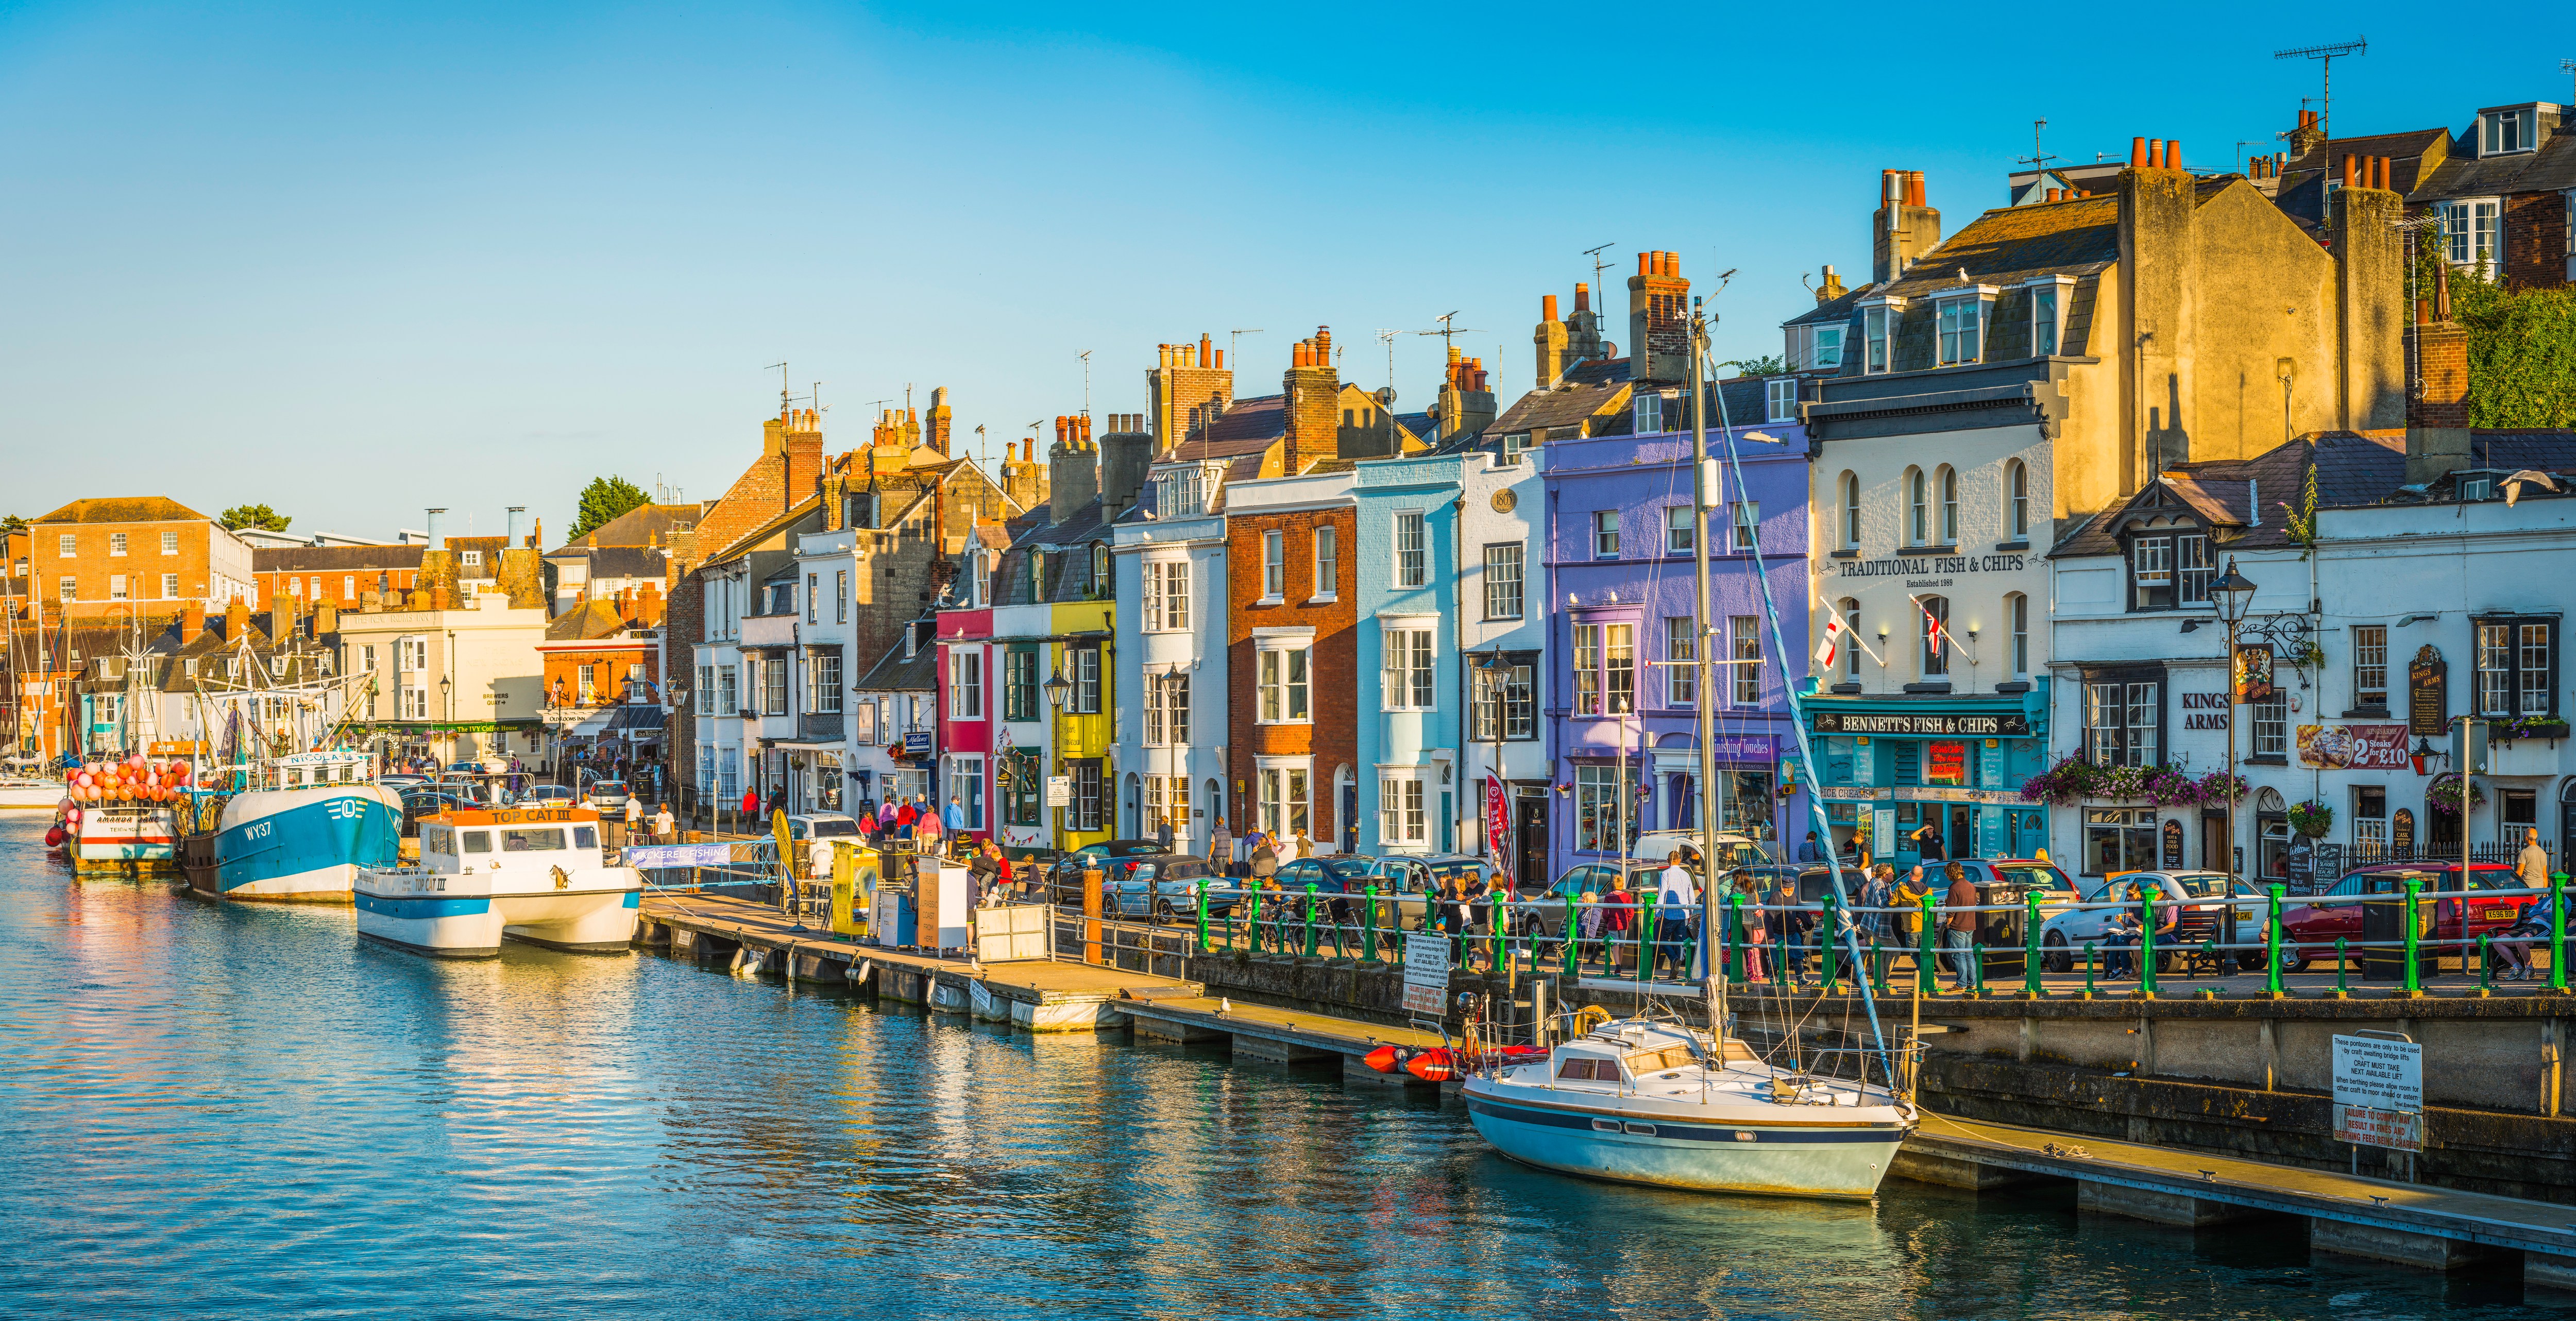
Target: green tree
(254,516)
(1770,366)
(604,499)
(12,523)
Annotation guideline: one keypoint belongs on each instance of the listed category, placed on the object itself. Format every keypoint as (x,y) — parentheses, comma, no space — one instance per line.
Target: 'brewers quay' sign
(1918,566)
(1926,726)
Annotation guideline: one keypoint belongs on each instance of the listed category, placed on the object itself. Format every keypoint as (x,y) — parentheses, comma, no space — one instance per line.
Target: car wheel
(2292,960)
(2164,964)
(2055,957)
(1163,911)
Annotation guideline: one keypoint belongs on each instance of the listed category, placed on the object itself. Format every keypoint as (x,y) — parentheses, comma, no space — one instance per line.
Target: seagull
(1224,1005)
(2513,485)
(1963,276)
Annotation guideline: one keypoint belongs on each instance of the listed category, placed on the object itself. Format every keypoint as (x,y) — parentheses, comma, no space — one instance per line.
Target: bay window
(1406,682)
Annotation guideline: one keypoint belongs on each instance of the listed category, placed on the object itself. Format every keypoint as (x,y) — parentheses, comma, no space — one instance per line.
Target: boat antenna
(1850,934)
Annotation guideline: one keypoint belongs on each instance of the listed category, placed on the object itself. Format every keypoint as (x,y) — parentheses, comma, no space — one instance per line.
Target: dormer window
(2169,569)
(2504,132)
(2048,315)
(1780,398)
(1650,414)
(2477,486)
(1873,333)
(1829,347)
(1963,328)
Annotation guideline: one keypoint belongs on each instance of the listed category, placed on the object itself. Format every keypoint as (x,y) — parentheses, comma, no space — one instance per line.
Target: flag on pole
(1932,637)
(1830,650)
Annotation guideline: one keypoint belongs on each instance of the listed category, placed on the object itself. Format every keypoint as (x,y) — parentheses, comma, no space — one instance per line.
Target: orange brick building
(144,554)
(342,576)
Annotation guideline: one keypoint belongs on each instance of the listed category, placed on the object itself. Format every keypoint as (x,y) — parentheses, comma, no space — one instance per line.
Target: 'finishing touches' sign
(1925,726)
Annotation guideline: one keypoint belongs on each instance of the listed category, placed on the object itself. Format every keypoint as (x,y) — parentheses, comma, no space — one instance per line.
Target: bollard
(2414,981)
(2340,988)
(1253,915)
(1310,920)
(2272,945)
(1573,941)
(1203,945)
(2483,983)
(1646,936)
(2147,943)
(2088,970)
(1830,937)
(2558,935)
(2030,963)
(1877,967)
(1976,969)
(1239,902)
(1923,980)
(1368,928)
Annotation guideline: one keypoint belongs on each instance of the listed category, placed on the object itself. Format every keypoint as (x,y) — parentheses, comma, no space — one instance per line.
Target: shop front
(1930,778)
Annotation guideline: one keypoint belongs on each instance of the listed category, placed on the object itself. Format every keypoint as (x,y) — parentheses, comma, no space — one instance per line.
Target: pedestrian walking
(1616,921)
(1959,926)
(665,827)
(1879,891)
(1305,845)
(1907,900)
(1221,847)
(1680,901)
(955,818)
(1163,831)
(1811,851)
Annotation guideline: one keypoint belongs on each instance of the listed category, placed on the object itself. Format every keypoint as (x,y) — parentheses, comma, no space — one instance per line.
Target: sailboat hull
(1802,1160)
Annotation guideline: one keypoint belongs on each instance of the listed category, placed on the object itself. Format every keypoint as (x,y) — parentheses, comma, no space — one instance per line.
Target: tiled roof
(2352,469)
(325,559)
(1569,405)
(629,562)
(126,509)
(2011,244)
(642,525)
(590,619)
(1249,425)
(1833,310)
(895,672)
(2549,169)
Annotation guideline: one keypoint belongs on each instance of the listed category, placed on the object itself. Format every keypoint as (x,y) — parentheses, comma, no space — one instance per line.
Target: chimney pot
(1547,307)
(2348,160)
(2173,154)
(2137,153)
(1582,296)
(1220,359)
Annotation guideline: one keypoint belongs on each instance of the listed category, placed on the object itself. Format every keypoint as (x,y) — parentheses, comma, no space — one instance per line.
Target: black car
(422,803)
(1064,877)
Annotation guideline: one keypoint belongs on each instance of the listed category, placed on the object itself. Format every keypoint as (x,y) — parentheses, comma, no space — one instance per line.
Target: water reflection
(240,1111)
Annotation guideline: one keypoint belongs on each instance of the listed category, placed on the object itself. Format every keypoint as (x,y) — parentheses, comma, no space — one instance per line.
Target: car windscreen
(2209,886)
(2034,876)
(1345,870)
(835,828)
(1468,868)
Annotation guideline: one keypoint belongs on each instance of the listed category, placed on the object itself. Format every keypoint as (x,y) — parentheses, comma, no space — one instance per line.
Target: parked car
(2203,898)
(547,795)
(400,782)
(2318,926)
(1542,912)
(421,802)
(1064,876)
(607,795)
(1163,887)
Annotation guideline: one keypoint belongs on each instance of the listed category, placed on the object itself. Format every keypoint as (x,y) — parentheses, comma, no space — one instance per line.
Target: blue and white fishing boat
(299,829)
(1652,1101)
(532,874)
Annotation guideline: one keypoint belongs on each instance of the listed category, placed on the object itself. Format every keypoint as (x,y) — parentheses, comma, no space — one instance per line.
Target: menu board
(1945,763)
(2428,707)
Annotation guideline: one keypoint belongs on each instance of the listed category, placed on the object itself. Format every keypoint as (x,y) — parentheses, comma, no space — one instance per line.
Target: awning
(635,716)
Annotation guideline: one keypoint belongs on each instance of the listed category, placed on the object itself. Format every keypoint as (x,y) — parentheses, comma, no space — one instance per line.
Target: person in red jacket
(1615,922)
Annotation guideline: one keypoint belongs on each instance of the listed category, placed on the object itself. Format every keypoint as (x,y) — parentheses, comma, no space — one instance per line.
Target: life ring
(1590,1019)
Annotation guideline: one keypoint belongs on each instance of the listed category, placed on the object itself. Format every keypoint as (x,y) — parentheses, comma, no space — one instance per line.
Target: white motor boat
(1640,1101)
(532,874)
(29,792)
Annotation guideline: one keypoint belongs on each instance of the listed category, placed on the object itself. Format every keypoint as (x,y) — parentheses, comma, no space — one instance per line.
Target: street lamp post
(2232,592)
(1057,689)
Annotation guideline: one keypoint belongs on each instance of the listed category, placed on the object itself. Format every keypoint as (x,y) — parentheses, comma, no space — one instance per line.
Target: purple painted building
(1621,701)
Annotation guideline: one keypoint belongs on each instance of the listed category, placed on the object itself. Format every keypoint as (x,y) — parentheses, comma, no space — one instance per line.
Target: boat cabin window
(585,837)
(1588,1067)
(437,839)
(531,841)
(1661,1061)
(478,841)
(294,777)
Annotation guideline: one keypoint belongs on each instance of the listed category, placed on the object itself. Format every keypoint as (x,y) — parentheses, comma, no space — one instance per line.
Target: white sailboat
(1650,1100)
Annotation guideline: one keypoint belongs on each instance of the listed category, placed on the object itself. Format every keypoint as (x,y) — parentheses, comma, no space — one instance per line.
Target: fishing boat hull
(298,845)
(1804,1159)
(123,841)
(405,908)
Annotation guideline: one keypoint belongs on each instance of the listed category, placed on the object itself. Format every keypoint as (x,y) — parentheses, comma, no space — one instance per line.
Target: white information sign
(2379,1092)
(1426,973)
(1059,791)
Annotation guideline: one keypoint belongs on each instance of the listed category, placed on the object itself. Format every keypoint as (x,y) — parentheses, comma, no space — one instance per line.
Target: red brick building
(340,576)
(145,554)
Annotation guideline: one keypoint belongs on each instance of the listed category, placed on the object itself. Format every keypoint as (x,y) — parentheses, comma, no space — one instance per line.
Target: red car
(2321,924)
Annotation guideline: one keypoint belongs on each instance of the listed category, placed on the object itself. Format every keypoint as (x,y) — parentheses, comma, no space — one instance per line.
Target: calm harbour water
(232,1110)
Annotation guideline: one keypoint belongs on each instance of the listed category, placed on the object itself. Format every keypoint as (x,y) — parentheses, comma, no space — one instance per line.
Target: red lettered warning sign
(2395,1129)
(1426,973)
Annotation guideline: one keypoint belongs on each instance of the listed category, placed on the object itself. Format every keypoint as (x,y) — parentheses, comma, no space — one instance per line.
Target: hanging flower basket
(2222,787)
(2074,779)
(2311,818)
(2443,795)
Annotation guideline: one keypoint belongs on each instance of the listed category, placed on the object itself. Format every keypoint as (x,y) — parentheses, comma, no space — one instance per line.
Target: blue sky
(357,263)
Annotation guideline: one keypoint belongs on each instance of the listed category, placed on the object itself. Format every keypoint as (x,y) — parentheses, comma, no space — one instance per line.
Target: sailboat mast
(1703,490)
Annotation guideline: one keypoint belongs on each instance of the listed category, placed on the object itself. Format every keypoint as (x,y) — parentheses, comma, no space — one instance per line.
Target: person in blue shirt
(955,817)
(1811,851)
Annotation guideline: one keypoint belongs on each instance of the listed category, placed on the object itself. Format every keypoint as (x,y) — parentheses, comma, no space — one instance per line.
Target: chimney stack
(2437,420)
(1314,391)
(236,620)
(1073,471)
(1658,319)
(1904,226)
(1190,388)
(1831,287)
(192,622)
